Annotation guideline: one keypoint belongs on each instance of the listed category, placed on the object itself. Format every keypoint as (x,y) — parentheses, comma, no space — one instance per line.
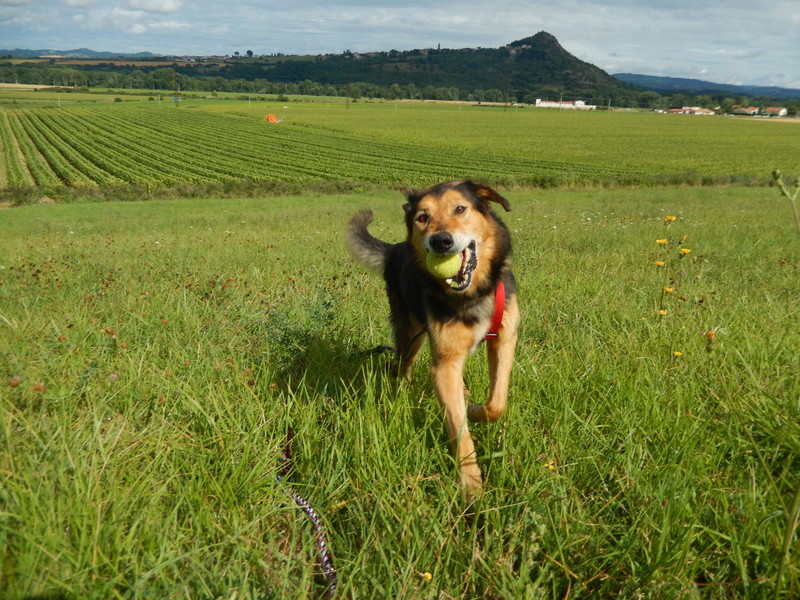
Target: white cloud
(80,3)
(12,3)
(719,40)
(167,26)
(155,6)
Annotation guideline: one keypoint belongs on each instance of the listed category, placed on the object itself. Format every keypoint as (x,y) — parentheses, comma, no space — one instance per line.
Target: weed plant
(152,356)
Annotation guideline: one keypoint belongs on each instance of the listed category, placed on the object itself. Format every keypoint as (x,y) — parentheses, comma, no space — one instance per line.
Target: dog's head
(455,217)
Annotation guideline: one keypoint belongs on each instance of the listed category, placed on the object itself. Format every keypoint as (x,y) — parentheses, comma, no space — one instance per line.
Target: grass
(154,354)
(671,146)
(156,148)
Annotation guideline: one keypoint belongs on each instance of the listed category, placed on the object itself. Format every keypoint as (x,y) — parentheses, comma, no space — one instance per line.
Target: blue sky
(726,41)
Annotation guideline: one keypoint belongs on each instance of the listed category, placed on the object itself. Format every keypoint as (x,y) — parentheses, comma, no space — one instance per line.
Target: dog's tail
(368,250)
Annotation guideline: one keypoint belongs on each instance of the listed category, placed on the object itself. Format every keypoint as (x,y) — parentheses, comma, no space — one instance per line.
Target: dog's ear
(411,195)
(487,194)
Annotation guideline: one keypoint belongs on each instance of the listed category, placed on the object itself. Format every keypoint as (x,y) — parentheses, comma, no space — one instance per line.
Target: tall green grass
(153,356)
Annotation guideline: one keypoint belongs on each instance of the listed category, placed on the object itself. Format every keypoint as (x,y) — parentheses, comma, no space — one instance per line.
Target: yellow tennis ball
(443,265)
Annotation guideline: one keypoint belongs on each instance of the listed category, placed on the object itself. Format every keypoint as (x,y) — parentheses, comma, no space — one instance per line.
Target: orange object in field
(272,118)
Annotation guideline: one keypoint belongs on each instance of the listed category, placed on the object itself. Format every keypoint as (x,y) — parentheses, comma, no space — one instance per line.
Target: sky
(745,42)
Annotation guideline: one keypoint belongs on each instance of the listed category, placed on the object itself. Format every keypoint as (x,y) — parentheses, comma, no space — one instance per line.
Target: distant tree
(249,54)
(705,101)
(165,79)
(679,100)
(651,100)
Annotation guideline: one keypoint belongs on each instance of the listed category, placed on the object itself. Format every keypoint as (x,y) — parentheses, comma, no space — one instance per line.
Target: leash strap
(499,307)
(316,523)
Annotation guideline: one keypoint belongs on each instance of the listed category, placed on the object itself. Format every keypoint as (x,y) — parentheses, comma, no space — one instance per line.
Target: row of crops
(129,144)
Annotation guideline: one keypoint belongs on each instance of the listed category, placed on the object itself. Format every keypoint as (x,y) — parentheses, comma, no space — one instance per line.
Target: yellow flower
(663,313)
(426,576)
(550,465)
(660,263)
(668,290)
(661,242)
(677,353)
(685,250)
(669,218)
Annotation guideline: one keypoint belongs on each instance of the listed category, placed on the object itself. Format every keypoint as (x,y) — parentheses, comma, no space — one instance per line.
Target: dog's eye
(461,209)
(422,218)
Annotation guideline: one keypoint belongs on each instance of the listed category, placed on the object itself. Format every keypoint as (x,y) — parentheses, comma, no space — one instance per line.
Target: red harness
(497,316)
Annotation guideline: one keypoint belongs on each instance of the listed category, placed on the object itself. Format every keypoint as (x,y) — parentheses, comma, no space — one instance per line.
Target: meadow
(142,148)
(154,354)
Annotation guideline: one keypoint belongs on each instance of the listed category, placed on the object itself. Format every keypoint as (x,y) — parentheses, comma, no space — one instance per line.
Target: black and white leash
(324,554)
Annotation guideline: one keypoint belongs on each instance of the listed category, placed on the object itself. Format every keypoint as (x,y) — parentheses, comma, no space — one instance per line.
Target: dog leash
(316,523)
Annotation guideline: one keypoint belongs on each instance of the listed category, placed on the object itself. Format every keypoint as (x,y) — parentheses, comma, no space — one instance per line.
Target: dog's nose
(441,242)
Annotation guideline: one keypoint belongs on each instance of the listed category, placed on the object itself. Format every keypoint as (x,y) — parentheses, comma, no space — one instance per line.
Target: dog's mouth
(469,260)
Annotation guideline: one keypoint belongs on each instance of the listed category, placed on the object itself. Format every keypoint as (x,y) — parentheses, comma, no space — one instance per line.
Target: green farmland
(206,143)
(153,355)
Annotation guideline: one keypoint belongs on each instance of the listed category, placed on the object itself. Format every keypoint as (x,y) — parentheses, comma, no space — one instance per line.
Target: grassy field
(135,148)
(153,355)
(635,143)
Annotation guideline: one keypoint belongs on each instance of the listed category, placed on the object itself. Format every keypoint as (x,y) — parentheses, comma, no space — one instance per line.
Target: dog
(457,313)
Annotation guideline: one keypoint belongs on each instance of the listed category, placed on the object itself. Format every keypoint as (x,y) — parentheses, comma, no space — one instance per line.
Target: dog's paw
(477,413)
(481,413)
(472,489)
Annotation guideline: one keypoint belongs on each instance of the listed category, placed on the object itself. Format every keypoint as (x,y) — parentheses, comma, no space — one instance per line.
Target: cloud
(80,3)
(117,19)
(155,6)
(718,39)
(167,26)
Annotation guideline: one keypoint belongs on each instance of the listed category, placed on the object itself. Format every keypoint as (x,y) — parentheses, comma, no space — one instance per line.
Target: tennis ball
(443,265)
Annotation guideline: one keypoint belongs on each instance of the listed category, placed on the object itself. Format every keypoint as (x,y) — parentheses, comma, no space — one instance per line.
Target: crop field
(157,144)
(689,150)
(153,354)
(139,145)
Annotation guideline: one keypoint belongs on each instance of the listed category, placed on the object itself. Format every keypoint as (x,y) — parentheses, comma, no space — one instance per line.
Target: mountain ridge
(535,66)
(75,53)
(673,85)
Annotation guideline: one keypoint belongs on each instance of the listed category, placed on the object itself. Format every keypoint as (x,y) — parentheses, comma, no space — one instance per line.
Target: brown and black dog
(456,313)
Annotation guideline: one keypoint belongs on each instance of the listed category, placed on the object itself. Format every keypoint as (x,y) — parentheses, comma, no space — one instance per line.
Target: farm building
(690,110)
(576,105)
(742,110)
(775,111)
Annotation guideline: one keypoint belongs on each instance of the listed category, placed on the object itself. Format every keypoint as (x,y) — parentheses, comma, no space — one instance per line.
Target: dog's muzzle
(469,260)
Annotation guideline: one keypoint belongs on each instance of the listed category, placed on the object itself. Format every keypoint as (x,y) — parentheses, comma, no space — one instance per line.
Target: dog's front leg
(448,379)
(501,357)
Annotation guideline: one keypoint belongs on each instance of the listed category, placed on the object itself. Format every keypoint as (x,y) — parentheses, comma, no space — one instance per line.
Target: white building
(577,105)
(691,110)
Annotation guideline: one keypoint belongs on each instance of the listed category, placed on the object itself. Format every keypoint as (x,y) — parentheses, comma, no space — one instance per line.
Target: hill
(524,69)
(77,53)
(671,85)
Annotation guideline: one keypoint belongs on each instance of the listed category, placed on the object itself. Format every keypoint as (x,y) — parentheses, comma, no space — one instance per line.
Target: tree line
(172,80)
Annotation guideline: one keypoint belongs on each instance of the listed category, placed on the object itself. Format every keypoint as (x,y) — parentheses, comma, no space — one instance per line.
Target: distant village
(752,111)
